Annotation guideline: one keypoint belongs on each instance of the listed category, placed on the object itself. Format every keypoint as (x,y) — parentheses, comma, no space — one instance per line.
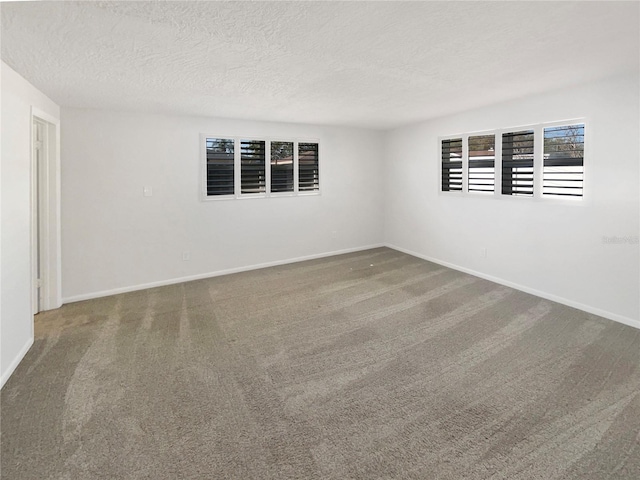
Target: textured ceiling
(370,64)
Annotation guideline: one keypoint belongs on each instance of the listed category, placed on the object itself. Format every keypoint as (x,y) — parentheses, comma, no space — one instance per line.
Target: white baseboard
(549,296)
(200,276)
(15,362)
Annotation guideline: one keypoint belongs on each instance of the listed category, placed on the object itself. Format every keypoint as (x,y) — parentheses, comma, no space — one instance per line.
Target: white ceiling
(369,64)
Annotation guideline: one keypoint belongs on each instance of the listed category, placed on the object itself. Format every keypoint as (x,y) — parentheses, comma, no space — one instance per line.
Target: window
(308,167)
(252,166)
(220,166)
(452,165)
(244,167)
(517,163)
(563,164)
(541,161)
(281,167)
(482,157)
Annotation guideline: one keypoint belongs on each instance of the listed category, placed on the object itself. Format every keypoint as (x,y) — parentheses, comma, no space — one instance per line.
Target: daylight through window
(563,171)
(248,167)
(541,161)
(482,158)
(452,165)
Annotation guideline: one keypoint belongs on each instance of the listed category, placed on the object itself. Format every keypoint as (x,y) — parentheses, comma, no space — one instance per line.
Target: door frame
(49,194)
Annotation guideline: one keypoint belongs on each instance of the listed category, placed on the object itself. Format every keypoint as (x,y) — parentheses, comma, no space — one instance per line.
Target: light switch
(147,191)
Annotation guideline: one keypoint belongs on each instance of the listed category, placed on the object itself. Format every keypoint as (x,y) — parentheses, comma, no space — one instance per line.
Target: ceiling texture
(369,64)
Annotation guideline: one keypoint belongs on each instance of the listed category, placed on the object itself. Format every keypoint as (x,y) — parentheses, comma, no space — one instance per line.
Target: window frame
(551,196)
(463,154)
(538,165)
(514,185)
(204,167)
(484,193)
(296,171)
(294,192)
(237,167)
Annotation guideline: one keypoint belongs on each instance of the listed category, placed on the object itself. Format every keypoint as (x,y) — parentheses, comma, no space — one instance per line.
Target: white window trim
(465,163)
(295,168)
(296,171)
(538,129)
(237,168)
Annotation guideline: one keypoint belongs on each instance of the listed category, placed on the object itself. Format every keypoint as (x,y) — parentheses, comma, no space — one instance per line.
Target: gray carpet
(372,365)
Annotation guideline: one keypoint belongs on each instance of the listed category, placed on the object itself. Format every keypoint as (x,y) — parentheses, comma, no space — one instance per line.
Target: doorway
(45,208)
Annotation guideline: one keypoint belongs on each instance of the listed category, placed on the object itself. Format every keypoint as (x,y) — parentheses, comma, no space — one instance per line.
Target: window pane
(308,176)
(517,163)
(281,167)
(482,157)
(220,166)
(563,172)
(452,165)
(252,166)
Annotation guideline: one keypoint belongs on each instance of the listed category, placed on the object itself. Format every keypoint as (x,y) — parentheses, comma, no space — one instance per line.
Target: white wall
(553,249)
(114,238)
(16,321)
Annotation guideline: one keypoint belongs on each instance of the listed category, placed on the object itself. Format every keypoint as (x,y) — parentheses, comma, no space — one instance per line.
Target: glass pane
(309,179)
(252,166)
(563,172)
(220,164)
(517,163)
(281,167)
(452,165)
(482,158)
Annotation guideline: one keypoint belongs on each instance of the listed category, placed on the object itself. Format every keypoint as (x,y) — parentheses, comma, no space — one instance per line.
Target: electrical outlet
(186,256)
(147,191)
(483,252)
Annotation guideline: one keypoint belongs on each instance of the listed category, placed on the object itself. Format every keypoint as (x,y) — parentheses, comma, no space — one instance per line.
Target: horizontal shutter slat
(563,162)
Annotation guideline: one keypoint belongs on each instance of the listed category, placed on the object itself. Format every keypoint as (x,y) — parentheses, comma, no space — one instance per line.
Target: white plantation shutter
(252,168)
(308,167)
(220,166)
(517,163)
(482,158)
(282,167)
(563,164)
(452,165)
(253,176)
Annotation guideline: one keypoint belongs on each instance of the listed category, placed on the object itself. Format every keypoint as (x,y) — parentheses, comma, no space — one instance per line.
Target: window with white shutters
(543,161)
(481,167)
(252,166)
(220,166)
(517,163)
(563,163)
(242,167)
(452,165)
(308,167)
(282,167)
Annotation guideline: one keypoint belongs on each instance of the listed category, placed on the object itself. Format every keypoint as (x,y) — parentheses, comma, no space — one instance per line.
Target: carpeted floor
(372,365)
